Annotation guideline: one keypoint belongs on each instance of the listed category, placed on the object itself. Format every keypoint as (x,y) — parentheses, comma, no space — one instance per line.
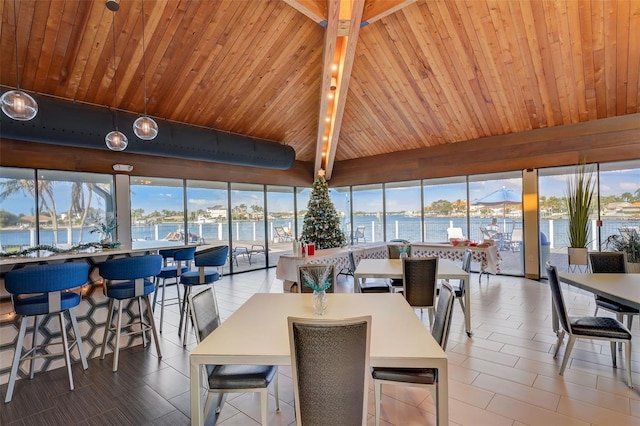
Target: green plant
(105,228)
(579,200)
(317,280)
(629,243)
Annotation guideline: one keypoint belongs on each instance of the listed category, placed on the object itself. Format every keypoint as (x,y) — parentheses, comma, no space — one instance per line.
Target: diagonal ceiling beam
(375,10)
(316,10)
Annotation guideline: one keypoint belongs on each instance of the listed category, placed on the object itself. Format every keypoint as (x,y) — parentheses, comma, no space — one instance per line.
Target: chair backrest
(516,235)
(206,316)
(607,262)
(330,363)
(455,232)
(419,281)
(444,313)
(131,268)
(466,266)
(184,254)
(280,232)
(46,278)
(359,232)
(355,256)
(214,256)
(315,273)
(557,297)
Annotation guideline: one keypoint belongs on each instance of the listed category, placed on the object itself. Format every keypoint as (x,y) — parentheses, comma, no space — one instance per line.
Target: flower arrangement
(316,279)
(105,229)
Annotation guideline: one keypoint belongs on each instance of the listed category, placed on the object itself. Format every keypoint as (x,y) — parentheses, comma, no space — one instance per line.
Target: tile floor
(504,375)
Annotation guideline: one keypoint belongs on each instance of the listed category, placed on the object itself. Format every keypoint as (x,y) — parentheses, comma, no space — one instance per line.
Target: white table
(488,257)
(392,268)
(622,288)
(257,334)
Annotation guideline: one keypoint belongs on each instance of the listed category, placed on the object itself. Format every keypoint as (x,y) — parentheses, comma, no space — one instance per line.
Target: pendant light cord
(144,64)
(15,39)
(115,73)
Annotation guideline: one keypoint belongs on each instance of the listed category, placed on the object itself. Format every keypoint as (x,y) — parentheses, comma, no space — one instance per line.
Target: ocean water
(398,227)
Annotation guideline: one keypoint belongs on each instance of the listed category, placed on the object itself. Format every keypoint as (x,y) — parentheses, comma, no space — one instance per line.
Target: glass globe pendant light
(17,104)
(145,127)
(115,140)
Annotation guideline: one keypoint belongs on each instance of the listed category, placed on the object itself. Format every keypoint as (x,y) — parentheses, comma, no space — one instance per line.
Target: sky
(152,198)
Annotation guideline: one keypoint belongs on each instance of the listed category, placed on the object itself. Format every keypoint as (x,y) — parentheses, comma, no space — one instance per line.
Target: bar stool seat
(193,277)
(43,290)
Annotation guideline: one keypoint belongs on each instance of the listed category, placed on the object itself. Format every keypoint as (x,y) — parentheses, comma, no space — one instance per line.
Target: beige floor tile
(499,370)
(461,374)
(481,353)
(517,341)
(530,414)
(581,393)
(469,394)
(571,376)
(531,396)
(618,387)
(469,415)
(594,414)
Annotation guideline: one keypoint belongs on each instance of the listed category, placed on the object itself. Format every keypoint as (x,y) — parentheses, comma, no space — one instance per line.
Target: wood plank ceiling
(424,73)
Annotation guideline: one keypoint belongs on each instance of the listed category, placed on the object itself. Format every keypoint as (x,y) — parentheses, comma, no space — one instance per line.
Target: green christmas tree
(322,223)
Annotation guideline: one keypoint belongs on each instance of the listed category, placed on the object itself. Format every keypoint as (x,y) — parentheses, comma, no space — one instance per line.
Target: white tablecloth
(488,257)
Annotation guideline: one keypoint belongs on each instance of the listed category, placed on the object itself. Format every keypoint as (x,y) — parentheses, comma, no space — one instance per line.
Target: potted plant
(579,202)
(627,242)
(106,230)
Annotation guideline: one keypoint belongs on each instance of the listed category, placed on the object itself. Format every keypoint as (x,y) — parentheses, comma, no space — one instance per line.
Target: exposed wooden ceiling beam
(375,10)
(316,10)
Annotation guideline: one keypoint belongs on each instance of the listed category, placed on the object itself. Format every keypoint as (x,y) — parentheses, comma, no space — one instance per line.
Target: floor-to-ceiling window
(302,204)
(208,212)
(495,213)
(249,247)
(403,203)
(368,214)
(445,208)
(619,185)
(280,221)
(341,199)
(158,212)
(69,208)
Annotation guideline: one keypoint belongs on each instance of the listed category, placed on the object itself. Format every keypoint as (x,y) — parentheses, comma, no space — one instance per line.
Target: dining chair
(420,377)
(37,292)
(393,252)
(364,285)
(596,328)
(181,260)
(611,263)
(460,288)
(419,283)
(315,271)
(129,278)
(223,379)
(330,365)
(214,257)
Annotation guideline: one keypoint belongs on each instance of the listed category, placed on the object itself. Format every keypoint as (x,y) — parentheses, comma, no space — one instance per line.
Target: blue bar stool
(182,259)
(128,278)
(213,257)
(42,290)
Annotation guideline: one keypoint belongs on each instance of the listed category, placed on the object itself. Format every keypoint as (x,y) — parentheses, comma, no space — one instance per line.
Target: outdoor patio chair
(283,234)
(359,235)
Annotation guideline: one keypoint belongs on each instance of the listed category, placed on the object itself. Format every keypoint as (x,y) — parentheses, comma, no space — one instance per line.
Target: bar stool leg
(65,346)
(116,350)
(152,324)
(16,359)
(107,329)
(142,328)
(36,326)
(164,289)
(76,332)
(187,291)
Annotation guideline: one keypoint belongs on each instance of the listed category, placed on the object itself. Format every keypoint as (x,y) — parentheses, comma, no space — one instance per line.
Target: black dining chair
(367,286)
(597,328)
(420,377)
(419,276)
(611,263)
(330,363)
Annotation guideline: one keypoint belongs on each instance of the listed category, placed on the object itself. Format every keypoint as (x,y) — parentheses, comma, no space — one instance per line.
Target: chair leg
(34,345)
(377,391)
(629,321)
(187,291)
(263,405)
(142,327)
(155,292)
(558,343)
(275,391)
(613,354)
(207,405)
(152,324)
(430,312)
(164,289)
(567,352)
(78,343)
(627,354)
(65,347)
(437,400)
(220,403)
(16,359)
(107,329)
(116,350)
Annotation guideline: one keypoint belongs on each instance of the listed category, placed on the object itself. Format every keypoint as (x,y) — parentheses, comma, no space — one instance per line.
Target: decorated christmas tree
(322,224)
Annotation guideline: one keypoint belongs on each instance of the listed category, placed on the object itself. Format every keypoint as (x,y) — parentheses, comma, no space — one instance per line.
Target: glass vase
(319,301)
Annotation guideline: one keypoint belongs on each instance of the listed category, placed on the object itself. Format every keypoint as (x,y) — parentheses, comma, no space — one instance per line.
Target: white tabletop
(623,288)
(257,334)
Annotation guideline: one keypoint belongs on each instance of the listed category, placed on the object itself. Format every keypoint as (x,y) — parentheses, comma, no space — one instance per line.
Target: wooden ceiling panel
(425,73)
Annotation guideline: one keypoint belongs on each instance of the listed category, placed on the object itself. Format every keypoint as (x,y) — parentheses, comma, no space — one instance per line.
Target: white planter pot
(578,256)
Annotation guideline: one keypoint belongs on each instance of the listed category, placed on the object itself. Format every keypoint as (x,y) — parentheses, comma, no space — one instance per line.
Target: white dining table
(257,333)
(622,288)
(392,268)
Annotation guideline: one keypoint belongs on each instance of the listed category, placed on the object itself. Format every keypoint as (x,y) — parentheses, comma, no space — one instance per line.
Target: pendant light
(17,104)
(145,127)
(115,140)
